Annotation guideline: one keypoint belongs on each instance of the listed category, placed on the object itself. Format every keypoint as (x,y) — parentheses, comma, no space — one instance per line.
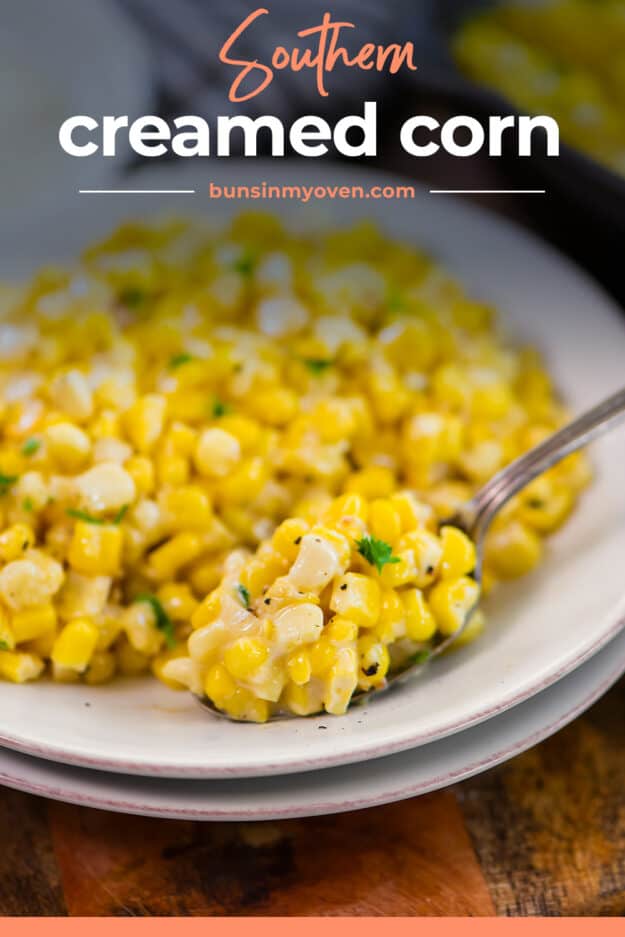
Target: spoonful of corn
(329,613)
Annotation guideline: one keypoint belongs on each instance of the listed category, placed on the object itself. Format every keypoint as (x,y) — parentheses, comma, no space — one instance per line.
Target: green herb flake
(163,621)
(6,481)
(121,514)
(245,264)
(31,446)
(83,516)
(422,656)
(4,646)
(178,360)
(219,408)
(317,366)
(376,552)
(132,297)
(395,301)
(28,505)
(244,595)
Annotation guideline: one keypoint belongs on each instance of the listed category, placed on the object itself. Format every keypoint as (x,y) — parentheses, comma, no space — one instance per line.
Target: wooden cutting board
(543,834)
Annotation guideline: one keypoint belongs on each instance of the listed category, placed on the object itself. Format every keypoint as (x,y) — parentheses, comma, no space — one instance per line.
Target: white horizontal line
(488,191)
(136,191)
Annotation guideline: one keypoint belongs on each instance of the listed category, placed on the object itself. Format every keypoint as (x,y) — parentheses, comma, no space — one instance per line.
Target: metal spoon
(476,516)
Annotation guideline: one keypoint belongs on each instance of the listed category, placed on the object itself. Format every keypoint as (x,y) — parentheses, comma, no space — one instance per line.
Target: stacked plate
(553,643)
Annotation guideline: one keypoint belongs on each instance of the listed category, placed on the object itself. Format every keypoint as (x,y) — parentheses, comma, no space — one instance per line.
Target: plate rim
(123,804)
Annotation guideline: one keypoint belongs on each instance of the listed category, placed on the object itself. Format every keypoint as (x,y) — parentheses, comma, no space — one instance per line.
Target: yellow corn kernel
(412,512)
(188,507)
(219,685)
(245,706)
(217,453)
(491,401)
(299,667)
(356,597)
(458,558)
(402,572)
(352,506)
(287,538)
(207,611)
(392,621)
(205,576)
(15,540)
(302,700)
(76,644)
(340,630)
(451,600)
(101,668)
(177,600)
(275,406)
(130,661)
(67,445)
(341,681)
(374,662)
(182,438)
(7,638)
(384,520)
(18,667)
(144,421)
(426,551)
(322,655)
(420,622)
(159,666)
(244,656)
(512,550)
(96,549)
(141,470)
(109,629)
(245,483)
(473,630)
(244,429)
(172,469)
(376,481)
(544,506)
(167,560)
(33,622)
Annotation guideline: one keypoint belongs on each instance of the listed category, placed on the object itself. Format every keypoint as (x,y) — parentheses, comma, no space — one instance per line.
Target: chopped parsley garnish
(244,595)
(91,519)
(163,621)
(6,481)
(219,408)
(317,366)
(31,446)
(83,516)
(376,552)
(178,360)
(422,656)
(395,300)
(132,297)
(27,504)
(121,514)
(245,264)
(4,646)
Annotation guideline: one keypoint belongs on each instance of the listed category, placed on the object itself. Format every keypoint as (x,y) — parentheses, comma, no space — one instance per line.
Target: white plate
(334,790)
(540,628)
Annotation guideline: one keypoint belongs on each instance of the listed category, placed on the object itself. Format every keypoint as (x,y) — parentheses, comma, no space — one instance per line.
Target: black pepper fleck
(429,570)
(371,670)
(267,601)
(297,541)
(343,587)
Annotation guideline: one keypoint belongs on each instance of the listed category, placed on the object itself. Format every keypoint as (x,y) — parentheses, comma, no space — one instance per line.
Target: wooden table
(543,834)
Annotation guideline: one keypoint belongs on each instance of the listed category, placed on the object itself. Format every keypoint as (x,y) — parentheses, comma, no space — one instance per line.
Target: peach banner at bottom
(307,927)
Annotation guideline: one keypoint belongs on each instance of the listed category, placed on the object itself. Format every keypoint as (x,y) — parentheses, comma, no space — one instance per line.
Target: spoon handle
(478,513)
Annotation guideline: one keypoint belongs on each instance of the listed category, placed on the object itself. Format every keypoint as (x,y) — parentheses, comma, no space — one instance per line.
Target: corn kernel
(96,549)
(356,597)
(76,644)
